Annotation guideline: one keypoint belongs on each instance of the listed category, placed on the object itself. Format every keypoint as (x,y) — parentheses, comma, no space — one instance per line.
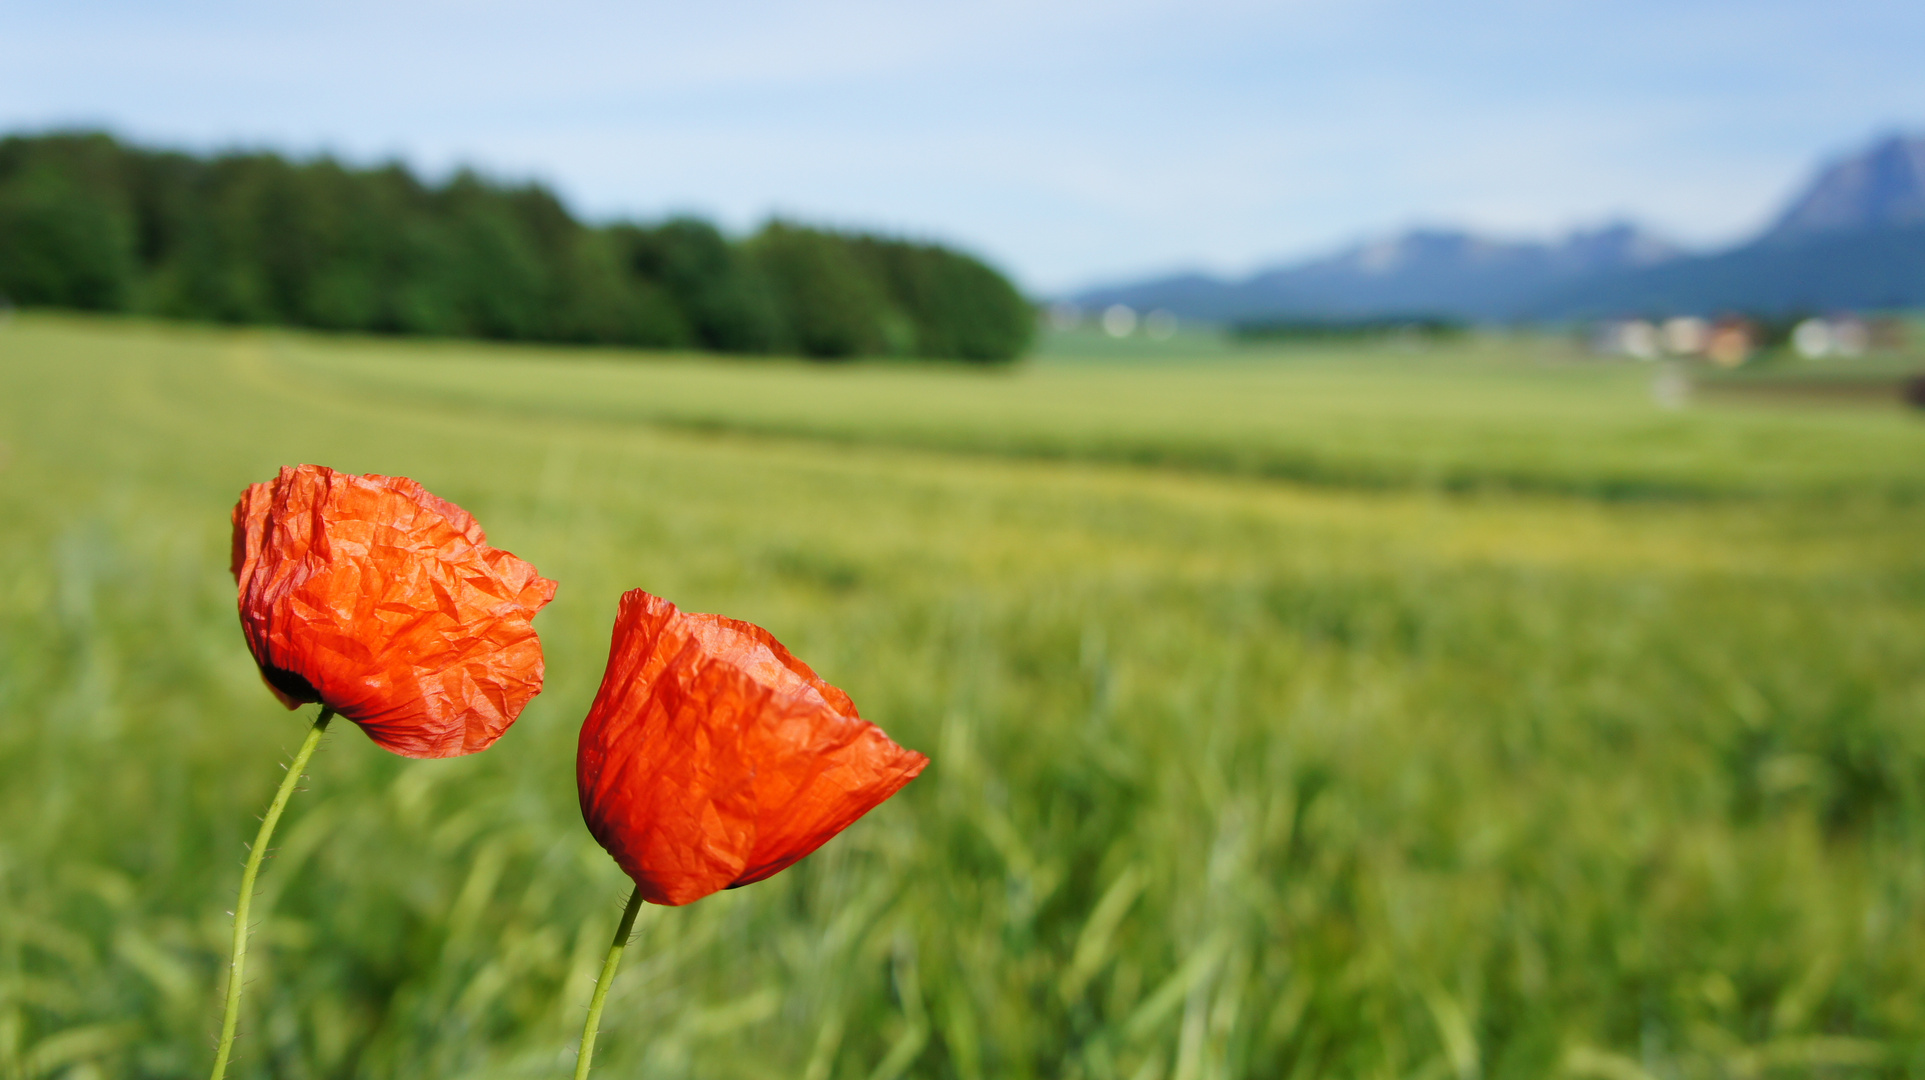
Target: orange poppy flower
(713,758)
(386,604)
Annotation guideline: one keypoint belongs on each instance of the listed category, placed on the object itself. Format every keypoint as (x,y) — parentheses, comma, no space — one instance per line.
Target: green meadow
(1320,712)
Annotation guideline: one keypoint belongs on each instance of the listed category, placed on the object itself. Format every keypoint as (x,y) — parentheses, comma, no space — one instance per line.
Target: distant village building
(1731,343)
(1119,320)
(1734,340)
(1629,337)
(1686,335)
(1850,336)
(1728,342)
(1815,339)
(1811,339)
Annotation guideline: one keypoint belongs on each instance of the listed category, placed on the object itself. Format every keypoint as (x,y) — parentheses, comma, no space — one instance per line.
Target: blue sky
(1068,142)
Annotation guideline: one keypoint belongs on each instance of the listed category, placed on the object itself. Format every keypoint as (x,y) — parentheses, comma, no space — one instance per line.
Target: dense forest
(89,222)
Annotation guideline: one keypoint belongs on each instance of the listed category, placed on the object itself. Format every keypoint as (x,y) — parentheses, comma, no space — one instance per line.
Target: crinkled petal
(372,596)
(713,758)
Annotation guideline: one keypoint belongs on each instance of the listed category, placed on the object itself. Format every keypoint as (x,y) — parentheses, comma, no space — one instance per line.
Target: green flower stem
(231,1018)
(609,965)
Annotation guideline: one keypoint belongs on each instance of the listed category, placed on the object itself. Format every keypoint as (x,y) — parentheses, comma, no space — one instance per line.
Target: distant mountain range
(1854,239)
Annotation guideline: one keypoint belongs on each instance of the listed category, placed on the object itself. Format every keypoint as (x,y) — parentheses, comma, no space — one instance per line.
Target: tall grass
(1493,414)
(1231,778)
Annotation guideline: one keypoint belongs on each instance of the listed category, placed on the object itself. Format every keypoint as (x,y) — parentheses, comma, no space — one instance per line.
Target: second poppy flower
(713,758)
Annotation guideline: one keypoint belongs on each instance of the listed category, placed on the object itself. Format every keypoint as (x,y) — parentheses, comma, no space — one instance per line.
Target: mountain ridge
(1883,186)
(1853,237)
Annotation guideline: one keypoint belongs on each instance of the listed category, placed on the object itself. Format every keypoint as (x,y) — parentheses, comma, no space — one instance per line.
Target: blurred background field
(1335,711)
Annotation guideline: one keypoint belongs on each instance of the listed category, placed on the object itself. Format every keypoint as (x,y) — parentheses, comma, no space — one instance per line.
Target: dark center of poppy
(292,685)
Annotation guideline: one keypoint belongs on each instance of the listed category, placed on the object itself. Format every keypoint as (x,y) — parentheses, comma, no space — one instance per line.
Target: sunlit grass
(1231,777)
(1501,413)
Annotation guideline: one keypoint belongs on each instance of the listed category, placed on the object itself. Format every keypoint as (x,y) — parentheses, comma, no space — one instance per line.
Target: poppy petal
(713,758)
(385,603)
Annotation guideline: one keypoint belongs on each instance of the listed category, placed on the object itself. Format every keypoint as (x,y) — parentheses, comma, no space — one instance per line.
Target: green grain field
(1316,713)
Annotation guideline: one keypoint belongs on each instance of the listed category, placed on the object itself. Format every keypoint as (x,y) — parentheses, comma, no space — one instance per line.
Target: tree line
(89,222)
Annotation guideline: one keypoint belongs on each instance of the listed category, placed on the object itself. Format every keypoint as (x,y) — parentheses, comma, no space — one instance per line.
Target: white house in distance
(1730,341)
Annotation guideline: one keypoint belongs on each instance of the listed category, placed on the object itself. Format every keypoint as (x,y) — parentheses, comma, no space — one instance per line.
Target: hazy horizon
(1069,144)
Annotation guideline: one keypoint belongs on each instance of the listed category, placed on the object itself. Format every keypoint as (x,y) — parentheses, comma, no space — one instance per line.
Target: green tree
(718,288)
(828,301)
(960,307)
(66,237)
(258,238)
(603,302)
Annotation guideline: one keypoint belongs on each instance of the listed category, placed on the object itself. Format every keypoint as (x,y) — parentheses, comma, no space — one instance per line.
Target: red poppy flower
(713,758)
(386,604)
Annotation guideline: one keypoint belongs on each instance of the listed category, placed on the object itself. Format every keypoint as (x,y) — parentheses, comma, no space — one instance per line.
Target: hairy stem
(230,1019)
(609,965)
